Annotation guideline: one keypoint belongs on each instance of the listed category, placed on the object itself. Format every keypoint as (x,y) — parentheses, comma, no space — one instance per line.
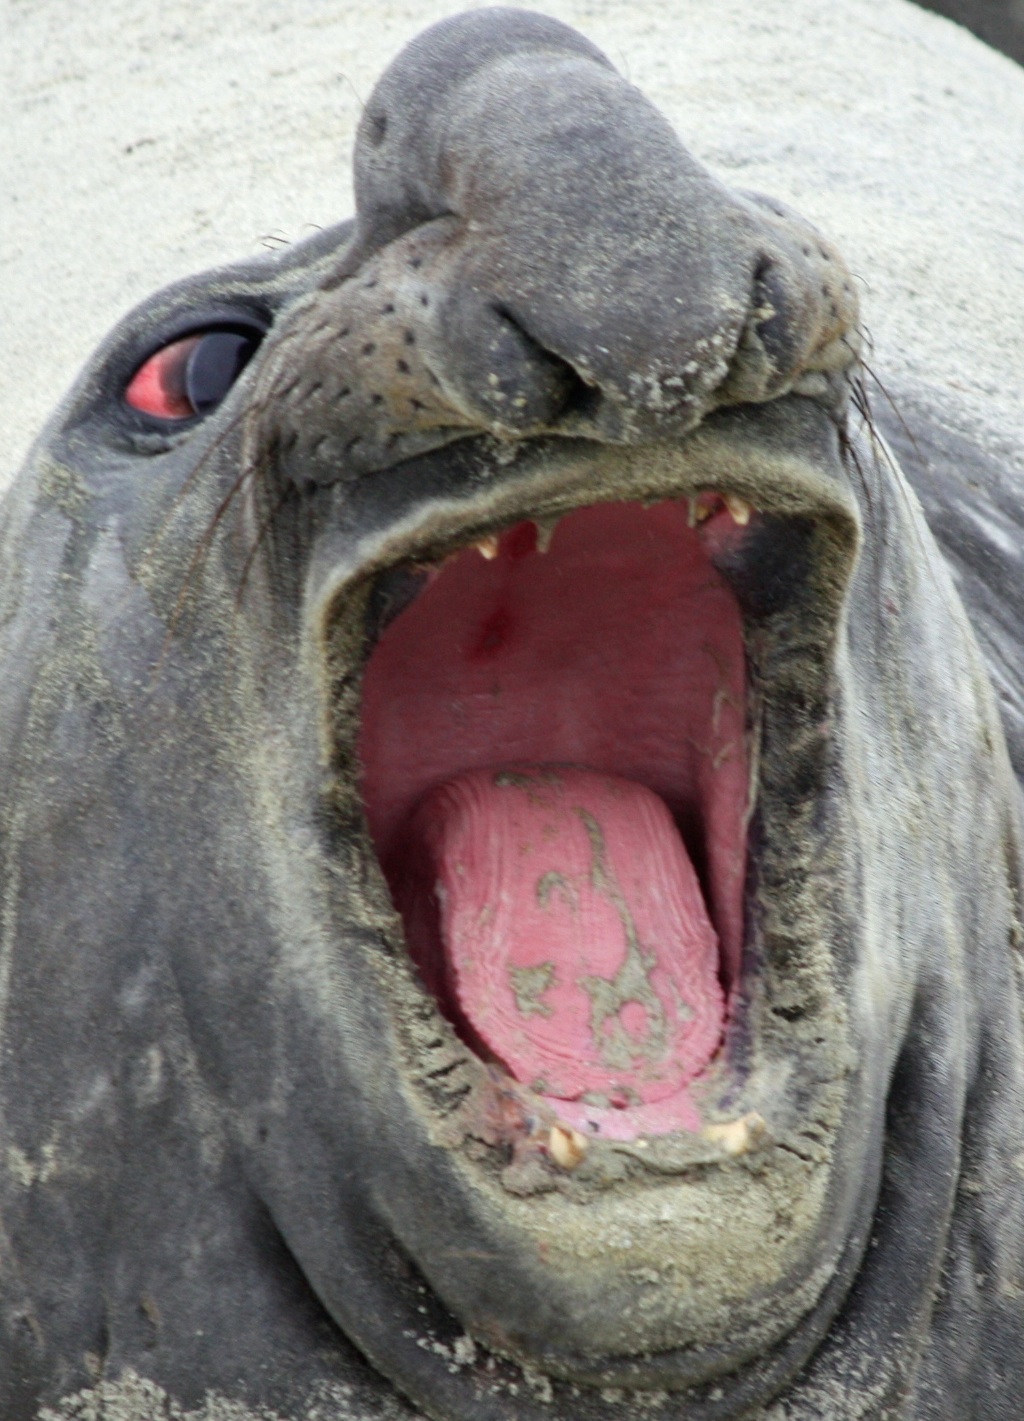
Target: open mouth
(555,742)
(579,737)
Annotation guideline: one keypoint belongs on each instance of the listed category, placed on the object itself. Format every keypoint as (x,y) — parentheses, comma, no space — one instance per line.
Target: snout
(536,253)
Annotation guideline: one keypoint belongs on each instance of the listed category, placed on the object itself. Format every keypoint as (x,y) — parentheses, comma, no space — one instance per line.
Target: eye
(192,375)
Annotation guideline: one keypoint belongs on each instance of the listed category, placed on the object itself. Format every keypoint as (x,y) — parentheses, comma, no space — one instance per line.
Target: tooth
(739,508)
(700,511)
(545,532)
(566,1146)
(487,547)
(737,1137)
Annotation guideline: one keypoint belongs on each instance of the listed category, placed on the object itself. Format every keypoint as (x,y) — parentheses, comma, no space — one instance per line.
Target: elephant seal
(419,566)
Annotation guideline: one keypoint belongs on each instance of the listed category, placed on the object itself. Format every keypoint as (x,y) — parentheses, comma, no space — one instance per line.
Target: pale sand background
(146,140)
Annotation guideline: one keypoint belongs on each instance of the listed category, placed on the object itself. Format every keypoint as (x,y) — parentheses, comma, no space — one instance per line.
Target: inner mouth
(557,783)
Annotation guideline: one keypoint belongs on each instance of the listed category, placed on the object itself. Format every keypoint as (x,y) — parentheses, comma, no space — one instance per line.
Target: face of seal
(489,751)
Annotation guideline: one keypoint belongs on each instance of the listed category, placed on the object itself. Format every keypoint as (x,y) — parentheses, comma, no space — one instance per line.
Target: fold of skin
(242,1151)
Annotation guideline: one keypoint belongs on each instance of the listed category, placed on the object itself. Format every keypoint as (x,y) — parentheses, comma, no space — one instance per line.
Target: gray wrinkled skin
(246,1169)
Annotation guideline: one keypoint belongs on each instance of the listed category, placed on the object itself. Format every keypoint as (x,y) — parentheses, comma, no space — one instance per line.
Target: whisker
(289,491)
(213,447)
(196,561)
(895,409)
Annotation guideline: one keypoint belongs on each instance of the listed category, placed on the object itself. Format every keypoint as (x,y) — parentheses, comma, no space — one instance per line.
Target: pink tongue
(557,917)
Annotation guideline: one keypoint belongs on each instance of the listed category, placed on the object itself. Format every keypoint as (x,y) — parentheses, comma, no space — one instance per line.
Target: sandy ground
(146,141)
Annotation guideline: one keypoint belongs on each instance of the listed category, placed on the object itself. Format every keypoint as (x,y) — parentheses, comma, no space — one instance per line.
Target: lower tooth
(566,1146)
(737,1137)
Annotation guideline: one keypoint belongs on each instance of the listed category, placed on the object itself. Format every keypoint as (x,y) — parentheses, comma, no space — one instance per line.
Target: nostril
(771,313)
(582,401)
(760,287)
(553,388)
(377,128)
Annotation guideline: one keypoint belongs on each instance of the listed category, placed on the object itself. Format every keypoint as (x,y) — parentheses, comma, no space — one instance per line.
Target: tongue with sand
(555,914)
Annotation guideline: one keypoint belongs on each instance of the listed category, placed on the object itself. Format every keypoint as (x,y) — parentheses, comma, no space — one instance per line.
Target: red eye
(191,376)
(158,387)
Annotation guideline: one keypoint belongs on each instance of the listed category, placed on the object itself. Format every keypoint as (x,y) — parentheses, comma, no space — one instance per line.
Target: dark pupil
(214,366)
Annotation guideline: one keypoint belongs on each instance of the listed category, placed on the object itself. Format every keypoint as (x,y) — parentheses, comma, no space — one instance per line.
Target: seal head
(471,863)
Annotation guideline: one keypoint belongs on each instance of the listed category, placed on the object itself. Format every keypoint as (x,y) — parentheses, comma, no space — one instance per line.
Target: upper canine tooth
(545,532)
(487,547)
(739,508)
